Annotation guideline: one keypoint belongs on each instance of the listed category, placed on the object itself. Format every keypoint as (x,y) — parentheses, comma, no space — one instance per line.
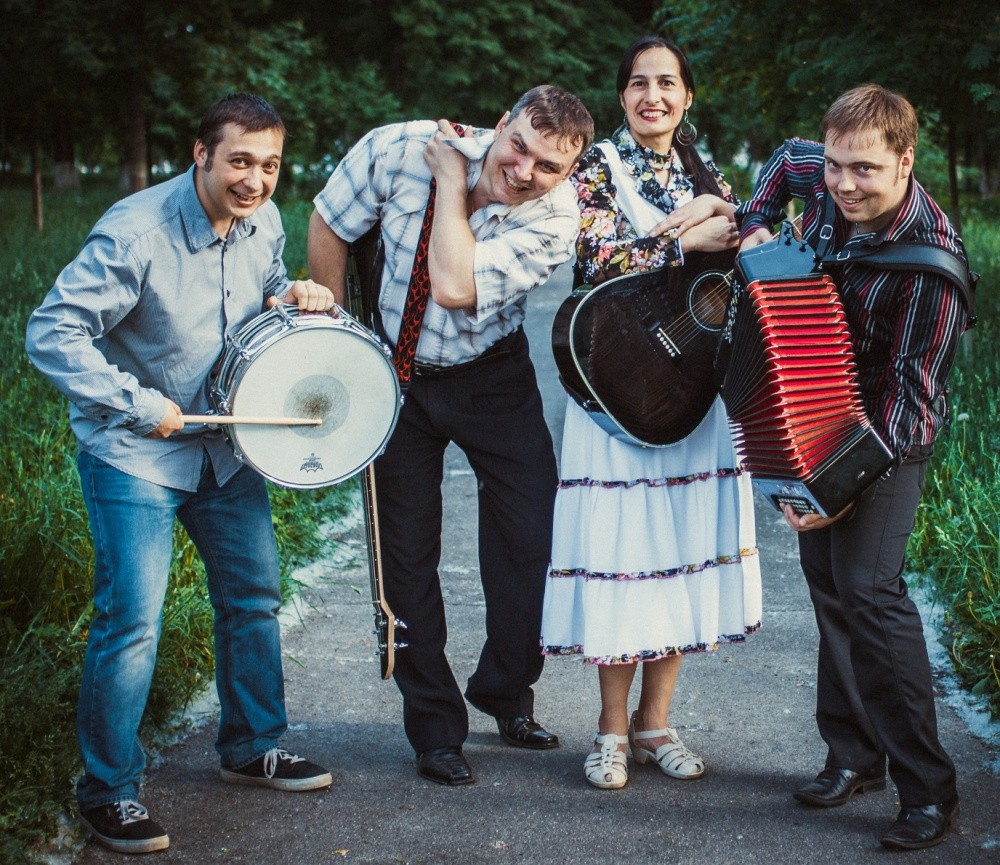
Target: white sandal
(607,768)
(674,758)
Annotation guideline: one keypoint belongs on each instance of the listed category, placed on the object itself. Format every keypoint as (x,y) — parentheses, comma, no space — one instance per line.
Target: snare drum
(312,365)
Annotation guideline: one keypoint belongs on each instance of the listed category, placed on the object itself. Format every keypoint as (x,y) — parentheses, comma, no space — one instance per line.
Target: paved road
(748,709)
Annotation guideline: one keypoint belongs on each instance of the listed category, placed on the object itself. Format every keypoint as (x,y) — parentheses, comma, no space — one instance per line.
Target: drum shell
(293,364)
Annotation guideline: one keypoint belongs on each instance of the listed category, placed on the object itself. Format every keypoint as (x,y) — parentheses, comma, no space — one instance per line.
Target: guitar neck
(371,527)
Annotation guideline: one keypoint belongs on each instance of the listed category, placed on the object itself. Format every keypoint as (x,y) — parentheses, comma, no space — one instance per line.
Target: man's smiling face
(867,180)
(522,164)
(239,175)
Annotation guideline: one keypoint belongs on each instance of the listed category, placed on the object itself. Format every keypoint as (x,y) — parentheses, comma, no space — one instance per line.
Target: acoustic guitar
(640,348)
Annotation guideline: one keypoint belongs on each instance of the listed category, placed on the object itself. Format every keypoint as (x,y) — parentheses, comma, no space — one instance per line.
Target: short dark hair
(554,111)
(872,107)
(249,112)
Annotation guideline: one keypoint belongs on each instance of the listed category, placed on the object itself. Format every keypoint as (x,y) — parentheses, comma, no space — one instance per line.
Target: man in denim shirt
(130,333)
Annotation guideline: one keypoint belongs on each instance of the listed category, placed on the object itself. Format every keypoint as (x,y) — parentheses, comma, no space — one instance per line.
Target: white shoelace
(130,811)
(273,757)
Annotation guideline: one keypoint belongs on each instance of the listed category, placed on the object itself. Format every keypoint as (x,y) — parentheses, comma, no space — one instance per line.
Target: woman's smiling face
(655,98)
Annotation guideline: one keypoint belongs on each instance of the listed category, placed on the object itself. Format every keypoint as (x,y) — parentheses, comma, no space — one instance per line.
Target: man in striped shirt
(874,695)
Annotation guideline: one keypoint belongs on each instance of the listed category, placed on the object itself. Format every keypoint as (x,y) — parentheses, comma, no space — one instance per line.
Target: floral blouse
(608,245)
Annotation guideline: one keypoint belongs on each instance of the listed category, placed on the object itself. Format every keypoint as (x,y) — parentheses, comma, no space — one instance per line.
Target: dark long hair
(694,165)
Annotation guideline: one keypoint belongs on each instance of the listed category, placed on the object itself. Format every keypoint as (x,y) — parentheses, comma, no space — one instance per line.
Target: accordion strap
(899,255)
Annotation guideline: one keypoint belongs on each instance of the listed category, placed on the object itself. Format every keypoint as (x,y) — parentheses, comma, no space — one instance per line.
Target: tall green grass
(956,543)
(46,561)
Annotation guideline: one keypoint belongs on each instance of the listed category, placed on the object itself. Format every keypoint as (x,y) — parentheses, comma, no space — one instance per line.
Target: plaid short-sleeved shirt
(385,179)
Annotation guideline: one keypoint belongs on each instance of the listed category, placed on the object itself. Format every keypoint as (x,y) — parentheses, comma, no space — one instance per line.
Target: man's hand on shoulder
(445,162)
(309,296)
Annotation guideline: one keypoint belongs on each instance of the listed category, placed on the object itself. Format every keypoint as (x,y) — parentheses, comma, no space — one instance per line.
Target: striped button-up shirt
(384,178)
(142,314)
(905,325)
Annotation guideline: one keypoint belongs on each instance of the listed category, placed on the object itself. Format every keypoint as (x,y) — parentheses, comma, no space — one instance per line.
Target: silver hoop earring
(687,132)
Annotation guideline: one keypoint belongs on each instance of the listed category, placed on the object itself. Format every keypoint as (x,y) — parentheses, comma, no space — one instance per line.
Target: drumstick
(263,421)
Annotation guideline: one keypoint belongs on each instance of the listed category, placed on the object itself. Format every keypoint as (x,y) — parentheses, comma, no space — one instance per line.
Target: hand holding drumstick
(174,420)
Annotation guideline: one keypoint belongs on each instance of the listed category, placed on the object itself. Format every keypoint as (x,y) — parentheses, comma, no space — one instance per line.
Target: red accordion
(790,383)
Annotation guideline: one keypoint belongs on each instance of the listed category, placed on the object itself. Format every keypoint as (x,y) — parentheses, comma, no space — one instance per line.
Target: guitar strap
(637,210)
(899,255)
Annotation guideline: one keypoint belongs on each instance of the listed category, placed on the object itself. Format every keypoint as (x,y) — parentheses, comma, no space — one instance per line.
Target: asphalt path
(748,709)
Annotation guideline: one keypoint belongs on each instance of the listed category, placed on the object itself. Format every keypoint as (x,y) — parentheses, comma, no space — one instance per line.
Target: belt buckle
(427,370)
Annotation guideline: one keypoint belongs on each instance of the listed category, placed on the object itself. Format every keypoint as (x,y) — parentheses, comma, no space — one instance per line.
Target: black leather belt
(503,346)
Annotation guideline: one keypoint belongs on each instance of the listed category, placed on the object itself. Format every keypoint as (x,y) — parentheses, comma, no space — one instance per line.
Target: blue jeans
(132,524)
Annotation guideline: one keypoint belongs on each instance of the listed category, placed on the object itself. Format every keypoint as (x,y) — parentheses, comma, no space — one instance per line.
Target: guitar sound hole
(708,296)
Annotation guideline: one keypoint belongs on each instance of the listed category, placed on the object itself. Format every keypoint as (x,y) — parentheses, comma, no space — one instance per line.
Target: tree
(772,70)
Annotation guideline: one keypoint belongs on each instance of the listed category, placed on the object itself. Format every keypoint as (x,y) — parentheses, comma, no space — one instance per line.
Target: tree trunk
(988,181)
(956,213)
(36,182)
(65,172)
(135,168)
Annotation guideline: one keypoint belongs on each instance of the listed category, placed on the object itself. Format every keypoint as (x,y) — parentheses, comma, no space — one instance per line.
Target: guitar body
(363,275)
(641,347)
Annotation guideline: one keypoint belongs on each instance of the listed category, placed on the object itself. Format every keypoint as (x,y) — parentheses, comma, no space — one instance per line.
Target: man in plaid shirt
(503,221)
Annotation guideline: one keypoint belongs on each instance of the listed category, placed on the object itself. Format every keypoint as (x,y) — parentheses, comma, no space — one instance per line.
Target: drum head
(337,373)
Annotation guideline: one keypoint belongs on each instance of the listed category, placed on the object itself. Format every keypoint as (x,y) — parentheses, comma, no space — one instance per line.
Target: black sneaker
(280,770)
(125,827)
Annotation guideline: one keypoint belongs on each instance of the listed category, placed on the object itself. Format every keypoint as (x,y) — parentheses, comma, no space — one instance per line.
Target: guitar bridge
(668,344)
(655,328)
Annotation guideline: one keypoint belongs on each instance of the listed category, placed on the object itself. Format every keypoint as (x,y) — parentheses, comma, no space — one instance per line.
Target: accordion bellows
(790,383)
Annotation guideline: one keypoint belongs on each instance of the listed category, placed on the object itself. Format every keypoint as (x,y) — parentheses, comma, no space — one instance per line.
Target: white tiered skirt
(654,549)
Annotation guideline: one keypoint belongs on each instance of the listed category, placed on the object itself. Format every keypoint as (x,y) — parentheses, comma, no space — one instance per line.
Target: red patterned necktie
(418,292)
(416,298)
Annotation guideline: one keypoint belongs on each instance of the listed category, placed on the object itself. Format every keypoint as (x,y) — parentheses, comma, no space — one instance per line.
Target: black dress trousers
(492,410)
(874,693)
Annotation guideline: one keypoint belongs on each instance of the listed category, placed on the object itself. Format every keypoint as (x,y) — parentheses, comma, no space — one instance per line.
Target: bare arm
(698,210)
(327,258)
(452,249)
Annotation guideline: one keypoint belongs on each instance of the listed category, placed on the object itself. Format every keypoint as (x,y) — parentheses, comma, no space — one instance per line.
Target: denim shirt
(142,314)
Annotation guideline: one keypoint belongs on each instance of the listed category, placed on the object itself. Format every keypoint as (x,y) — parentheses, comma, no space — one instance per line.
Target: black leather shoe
(921,827)
(445,766)
(526,732)
(833,787)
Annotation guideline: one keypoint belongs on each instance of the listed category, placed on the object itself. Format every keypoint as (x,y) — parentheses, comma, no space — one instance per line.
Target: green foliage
(324,108)
(768,72)
(472,61)
(956,543)
(46,559)
(39,680)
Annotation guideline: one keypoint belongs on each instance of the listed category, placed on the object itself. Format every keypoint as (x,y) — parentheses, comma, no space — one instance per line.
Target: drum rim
(235,353)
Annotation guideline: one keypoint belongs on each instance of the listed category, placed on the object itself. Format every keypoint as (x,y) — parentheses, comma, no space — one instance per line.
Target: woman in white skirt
(654,553)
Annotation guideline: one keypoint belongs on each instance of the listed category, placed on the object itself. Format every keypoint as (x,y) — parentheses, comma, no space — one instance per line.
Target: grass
(46,562)
(956,543)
